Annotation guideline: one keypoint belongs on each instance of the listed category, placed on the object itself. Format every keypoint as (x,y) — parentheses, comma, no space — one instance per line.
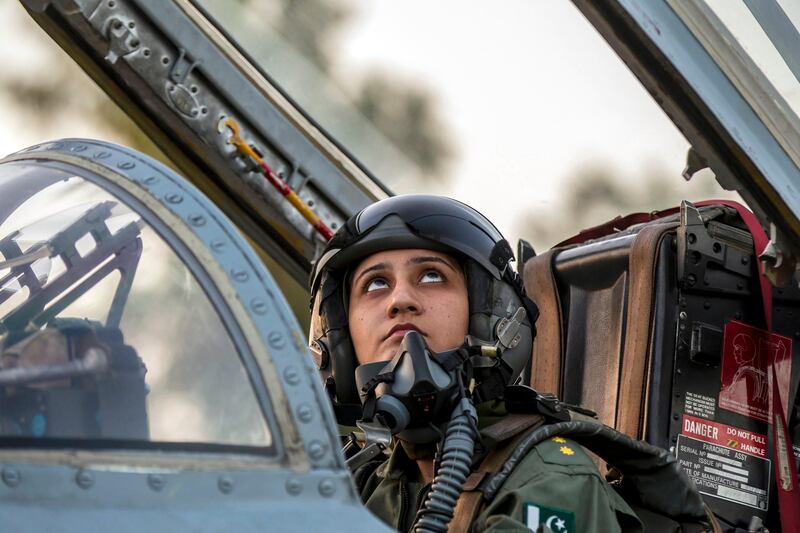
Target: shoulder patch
(557,520)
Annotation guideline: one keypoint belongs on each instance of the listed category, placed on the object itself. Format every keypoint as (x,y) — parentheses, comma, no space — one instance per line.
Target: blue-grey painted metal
(256,289)
(691,67)
(57,498)
(185,491)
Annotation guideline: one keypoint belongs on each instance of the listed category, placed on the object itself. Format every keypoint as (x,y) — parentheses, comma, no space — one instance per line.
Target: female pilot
(433,269)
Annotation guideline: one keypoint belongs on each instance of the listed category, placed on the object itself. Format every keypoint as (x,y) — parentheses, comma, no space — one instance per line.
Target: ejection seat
(597,317)
(633,322)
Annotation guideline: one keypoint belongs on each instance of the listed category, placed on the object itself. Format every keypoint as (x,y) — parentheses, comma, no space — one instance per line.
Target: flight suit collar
(398,466)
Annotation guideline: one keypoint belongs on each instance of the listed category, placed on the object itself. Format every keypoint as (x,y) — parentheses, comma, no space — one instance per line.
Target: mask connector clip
(377,438)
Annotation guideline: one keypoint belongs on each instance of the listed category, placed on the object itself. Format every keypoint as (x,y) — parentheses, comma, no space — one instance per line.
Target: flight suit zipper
(421,493)
(403,504)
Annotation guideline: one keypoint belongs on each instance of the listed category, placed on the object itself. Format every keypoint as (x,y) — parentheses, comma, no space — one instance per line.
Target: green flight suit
(556,484)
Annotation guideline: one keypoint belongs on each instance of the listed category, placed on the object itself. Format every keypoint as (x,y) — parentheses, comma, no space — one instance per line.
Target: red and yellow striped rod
(276,181)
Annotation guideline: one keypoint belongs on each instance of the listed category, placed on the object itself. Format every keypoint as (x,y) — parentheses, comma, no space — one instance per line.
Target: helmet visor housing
(417,220)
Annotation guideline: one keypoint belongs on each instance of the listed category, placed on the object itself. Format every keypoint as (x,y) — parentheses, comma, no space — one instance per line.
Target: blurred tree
(407,116)
(594,195)
(404,112)
(65,93)
(311,26)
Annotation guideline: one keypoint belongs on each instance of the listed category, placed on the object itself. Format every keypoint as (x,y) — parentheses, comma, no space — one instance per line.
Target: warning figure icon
(747,354)
(751,371)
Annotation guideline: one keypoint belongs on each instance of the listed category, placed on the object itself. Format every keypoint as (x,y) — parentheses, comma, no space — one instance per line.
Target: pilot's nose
(404,299)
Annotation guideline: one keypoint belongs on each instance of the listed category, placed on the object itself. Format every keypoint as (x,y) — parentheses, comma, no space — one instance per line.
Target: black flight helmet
(495,290)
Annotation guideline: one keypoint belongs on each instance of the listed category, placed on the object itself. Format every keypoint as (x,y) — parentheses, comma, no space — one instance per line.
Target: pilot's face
(396,291)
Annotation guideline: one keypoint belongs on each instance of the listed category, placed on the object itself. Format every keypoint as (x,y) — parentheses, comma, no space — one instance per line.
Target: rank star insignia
(566,450)
(559,440)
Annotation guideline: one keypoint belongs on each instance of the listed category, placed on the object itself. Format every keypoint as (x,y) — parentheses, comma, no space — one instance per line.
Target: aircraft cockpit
(144,342)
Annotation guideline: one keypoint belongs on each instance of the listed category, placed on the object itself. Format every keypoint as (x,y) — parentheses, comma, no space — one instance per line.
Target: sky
(531,93)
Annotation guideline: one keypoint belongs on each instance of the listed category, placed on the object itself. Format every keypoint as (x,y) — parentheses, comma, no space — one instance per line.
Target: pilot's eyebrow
(431,259)
(376,266)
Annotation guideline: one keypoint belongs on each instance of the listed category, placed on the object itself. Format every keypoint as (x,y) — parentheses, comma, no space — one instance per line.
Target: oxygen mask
(413,394)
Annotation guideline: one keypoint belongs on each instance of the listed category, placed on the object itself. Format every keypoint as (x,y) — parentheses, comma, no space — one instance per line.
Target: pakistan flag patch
(557,520)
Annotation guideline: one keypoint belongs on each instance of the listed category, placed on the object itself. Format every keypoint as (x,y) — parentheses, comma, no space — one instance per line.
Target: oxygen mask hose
(453,470)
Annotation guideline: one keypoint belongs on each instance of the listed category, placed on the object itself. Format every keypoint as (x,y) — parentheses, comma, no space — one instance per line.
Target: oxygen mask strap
(370,386)
(377,434)
(370,402)
(453,359)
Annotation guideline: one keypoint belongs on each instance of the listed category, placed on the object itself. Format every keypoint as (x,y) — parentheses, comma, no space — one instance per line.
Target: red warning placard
(747,353)
(724,435)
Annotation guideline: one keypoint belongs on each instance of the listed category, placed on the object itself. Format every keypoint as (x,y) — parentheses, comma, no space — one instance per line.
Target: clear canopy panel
(106,332)
(286,41)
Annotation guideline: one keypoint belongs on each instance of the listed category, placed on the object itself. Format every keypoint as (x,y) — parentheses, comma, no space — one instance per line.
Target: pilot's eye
(431,276)
(376,284)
